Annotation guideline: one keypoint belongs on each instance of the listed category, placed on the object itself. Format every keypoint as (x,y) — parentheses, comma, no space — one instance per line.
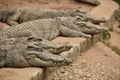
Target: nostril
(54,62)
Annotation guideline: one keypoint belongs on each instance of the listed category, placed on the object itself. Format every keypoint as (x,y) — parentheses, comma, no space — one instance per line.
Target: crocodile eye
(34,39)
(31,39)
(31,48)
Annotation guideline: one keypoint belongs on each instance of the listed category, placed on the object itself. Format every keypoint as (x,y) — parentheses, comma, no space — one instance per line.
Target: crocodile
(51,28)
(20,15)
(32,52)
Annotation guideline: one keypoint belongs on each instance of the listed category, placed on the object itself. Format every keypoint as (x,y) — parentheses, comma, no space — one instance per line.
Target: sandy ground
(98,63)
(54,4)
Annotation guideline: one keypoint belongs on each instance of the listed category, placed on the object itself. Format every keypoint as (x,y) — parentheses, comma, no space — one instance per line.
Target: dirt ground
(97,63)
(54,4)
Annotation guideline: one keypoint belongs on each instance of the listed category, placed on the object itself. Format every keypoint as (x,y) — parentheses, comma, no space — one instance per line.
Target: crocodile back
(45,28)
(28,14)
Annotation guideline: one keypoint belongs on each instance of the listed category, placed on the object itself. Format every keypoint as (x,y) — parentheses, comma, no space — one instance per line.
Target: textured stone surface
(107,10)
(21,73)
(79,44)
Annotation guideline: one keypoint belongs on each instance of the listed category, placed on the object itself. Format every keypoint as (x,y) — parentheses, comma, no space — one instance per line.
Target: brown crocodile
(51,28)
(31,51)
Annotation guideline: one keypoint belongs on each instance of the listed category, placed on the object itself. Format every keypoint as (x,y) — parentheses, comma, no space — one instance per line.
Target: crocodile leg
(50,46)
(72,33)
(12,20)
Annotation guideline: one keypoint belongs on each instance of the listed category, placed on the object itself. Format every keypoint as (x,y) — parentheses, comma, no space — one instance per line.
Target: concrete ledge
(80,45)
(21,74)
(106,9)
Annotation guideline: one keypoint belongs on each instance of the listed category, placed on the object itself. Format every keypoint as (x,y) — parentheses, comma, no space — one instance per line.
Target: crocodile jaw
(46,59)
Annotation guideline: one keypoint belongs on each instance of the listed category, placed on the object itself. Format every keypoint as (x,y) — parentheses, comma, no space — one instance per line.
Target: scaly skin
(52,28)
(20,15)
(29,51)
(51,47)
(86,27)
(36,52)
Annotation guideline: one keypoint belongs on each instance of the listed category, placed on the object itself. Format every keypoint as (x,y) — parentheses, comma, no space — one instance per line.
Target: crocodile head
(85,16)
(39,55)
(26,51)
(51,46)
(87,27)
(90,28)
